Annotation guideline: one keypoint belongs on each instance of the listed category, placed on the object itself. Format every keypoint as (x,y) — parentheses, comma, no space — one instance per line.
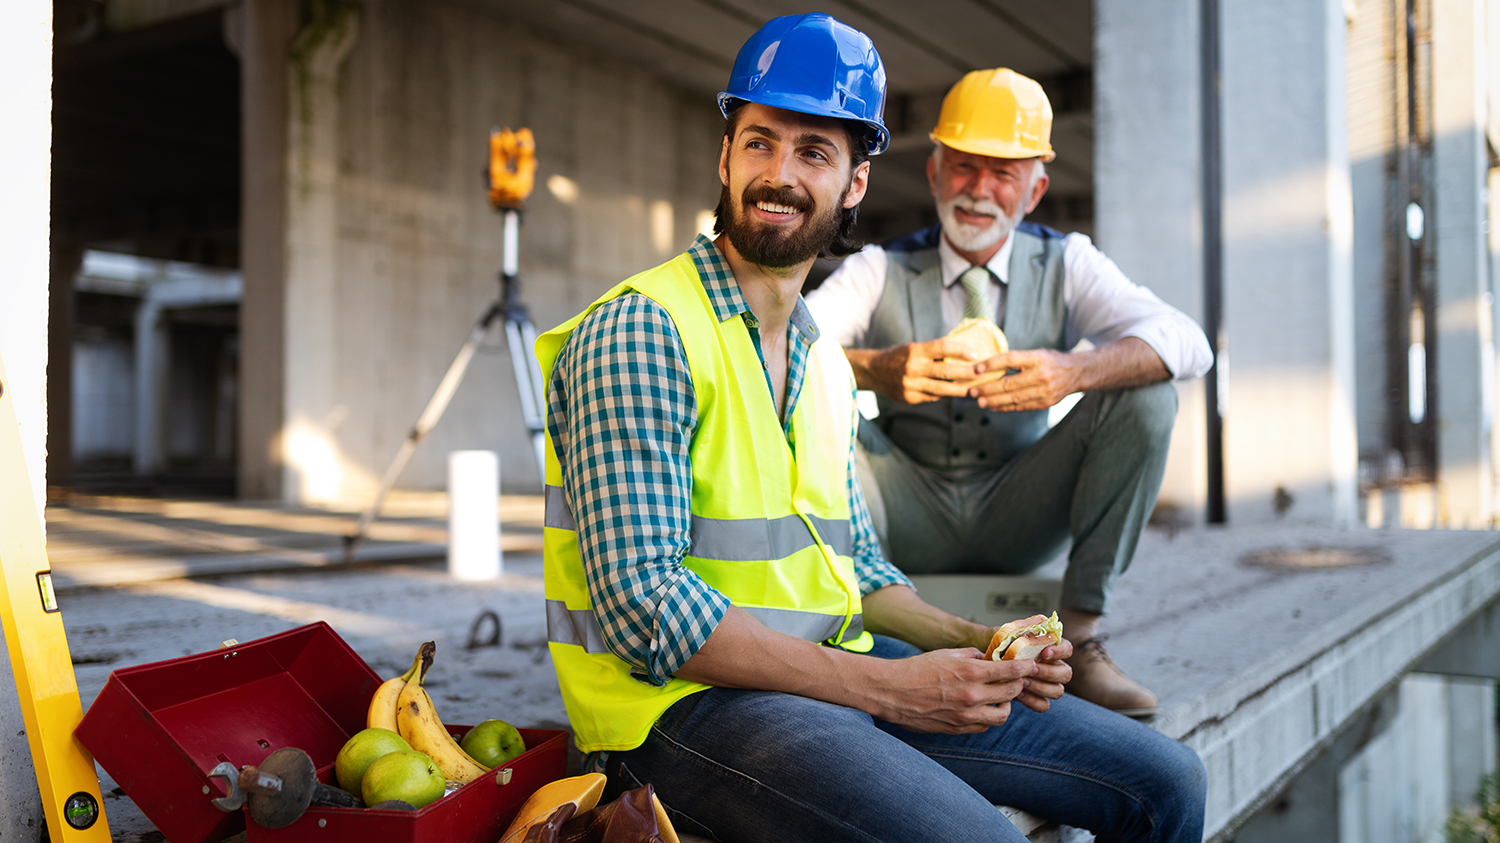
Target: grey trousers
(1091,480)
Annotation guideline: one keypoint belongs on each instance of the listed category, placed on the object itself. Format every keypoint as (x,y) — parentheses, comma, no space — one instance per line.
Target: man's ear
(932,183)
(1038,190)
(859,182)
(724,161)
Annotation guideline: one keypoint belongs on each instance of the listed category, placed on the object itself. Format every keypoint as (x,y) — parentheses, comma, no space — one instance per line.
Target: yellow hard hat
(998,113)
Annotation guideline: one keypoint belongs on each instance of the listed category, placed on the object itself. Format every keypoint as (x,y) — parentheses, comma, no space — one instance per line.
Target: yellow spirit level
(39,655)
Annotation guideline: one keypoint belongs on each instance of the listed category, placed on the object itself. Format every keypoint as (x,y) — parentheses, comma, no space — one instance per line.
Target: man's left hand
(1043,378)
(1052,673)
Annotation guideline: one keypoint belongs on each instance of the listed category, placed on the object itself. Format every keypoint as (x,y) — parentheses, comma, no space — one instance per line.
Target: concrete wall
(1401,786)
(1149,219)
(1465,347)
(386,149)
(1289,431)
(25,145)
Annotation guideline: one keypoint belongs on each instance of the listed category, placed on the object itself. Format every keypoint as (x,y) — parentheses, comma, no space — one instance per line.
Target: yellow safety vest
(770,530)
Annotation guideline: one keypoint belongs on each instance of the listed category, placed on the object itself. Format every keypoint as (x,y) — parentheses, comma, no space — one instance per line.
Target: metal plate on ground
(1315,558)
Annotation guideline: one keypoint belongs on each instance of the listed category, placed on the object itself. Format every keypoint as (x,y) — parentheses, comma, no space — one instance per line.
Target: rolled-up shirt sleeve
(1105,306)
(844,304)
(871,568)
(621,413)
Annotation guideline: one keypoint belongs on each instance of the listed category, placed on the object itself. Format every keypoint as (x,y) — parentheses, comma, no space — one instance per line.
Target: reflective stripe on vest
(736,539)
(580,628)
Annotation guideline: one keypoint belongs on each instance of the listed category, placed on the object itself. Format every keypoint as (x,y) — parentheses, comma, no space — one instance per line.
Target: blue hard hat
(816,65)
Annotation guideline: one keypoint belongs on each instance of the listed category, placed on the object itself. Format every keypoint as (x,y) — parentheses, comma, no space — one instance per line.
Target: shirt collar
(954,264)
(724,291)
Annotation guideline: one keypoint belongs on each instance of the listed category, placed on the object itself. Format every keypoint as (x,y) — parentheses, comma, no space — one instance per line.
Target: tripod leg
(521,335)
(429,418)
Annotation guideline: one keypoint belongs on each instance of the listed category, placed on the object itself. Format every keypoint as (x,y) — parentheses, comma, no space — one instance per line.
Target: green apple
(405,774)
(360,751)
(493,743)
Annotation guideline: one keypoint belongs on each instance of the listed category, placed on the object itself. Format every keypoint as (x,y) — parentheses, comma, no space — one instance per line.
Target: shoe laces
(1094,647)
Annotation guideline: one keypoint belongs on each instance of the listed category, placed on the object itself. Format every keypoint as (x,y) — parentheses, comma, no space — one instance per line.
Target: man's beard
(973,238)
(770,246)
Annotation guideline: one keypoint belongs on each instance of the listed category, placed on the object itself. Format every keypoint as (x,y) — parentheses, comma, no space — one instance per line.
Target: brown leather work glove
(636,817)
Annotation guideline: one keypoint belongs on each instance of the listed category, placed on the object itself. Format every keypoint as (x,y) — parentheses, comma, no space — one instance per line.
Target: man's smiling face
(981,199)
(787,179)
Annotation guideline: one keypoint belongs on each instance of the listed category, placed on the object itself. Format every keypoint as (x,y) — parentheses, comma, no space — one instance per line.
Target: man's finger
(1011,360)
(940,348)
(937,388)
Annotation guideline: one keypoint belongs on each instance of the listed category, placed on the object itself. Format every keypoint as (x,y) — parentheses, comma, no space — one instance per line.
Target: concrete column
(25,170)
(1471,750)
(1148,218)
(152,356)
(1289,435)
(1463,391)
(260,32)
(67,257)
(313,464)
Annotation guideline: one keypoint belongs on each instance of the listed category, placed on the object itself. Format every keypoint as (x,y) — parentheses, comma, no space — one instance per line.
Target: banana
(418,722)
(382,713)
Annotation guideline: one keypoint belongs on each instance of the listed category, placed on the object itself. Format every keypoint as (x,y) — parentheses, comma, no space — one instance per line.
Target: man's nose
(780,171)
(985,184)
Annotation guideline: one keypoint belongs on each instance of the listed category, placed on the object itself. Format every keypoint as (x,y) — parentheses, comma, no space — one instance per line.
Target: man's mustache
(968,204)
(777,196)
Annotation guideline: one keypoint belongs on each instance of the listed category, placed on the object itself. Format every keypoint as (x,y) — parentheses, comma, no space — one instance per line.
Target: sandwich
(1025,638)
(985,339)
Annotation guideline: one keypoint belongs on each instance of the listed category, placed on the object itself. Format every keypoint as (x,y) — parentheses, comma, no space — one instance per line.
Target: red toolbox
(159,729)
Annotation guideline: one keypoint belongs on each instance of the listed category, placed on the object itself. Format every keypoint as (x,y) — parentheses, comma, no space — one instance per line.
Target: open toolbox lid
(159,729)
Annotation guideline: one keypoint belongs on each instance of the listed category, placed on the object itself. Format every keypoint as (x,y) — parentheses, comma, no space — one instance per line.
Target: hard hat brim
(995,149)
(879,136)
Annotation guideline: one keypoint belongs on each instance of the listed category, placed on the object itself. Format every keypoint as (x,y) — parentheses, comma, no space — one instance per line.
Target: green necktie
(976,281)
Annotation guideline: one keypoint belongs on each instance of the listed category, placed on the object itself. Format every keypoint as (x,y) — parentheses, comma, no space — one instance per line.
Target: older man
(969,479)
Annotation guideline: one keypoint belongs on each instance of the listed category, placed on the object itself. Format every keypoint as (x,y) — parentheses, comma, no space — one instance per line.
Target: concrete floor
(141,581)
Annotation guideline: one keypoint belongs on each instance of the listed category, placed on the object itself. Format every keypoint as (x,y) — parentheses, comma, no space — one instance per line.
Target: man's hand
(948,691)
(1046,685)
(1052,673)
(1043,378)
(913,373)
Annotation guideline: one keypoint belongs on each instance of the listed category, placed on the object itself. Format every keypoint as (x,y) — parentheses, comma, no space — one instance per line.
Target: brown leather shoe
(1099,680)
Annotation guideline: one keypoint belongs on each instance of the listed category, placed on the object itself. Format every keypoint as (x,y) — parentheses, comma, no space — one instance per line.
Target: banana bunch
(402,705)
(382,712)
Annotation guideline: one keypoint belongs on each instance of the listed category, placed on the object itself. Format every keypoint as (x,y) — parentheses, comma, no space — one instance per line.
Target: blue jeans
(764,766)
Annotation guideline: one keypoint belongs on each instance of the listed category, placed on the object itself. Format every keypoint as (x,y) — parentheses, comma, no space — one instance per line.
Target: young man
(968,479)
(721,619)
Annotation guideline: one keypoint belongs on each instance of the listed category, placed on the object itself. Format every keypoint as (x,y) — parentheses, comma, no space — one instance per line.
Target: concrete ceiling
(926,47)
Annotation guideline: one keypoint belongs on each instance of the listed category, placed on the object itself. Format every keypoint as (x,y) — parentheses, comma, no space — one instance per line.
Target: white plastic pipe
(474,515)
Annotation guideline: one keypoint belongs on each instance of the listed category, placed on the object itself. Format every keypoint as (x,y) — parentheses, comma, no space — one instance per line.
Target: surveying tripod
(511,175)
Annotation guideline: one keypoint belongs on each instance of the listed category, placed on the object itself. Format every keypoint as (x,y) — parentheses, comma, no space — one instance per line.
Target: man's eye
(813,153)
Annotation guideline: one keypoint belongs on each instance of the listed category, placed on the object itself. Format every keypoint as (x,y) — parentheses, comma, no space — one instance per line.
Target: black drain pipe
(1213,247)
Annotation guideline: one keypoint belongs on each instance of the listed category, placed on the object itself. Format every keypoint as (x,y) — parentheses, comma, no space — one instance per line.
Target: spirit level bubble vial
(39,657)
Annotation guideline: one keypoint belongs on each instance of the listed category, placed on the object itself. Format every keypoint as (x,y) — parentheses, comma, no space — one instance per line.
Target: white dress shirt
(1102,304)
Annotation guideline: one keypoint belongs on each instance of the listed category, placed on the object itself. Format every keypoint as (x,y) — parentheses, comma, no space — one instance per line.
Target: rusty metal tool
(280,790)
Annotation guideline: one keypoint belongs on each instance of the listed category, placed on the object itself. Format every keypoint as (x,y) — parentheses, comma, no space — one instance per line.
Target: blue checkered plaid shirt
(621,413)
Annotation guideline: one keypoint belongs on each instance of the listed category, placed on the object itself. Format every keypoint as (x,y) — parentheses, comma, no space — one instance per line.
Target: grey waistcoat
(955,433)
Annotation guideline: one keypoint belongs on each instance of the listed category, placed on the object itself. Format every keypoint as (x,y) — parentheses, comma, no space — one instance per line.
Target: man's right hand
(914,373)
(947,691)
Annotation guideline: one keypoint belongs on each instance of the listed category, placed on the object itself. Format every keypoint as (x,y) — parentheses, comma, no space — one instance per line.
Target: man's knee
(1146,413)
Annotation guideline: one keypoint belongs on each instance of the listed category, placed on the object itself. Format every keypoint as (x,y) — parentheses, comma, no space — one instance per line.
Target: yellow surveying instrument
(510,176)
(39,655)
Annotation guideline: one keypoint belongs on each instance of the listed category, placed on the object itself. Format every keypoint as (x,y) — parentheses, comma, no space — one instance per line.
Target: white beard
(973,238)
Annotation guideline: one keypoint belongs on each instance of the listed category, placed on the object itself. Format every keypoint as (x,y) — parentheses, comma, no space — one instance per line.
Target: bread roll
(985,339)
(1025,638)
